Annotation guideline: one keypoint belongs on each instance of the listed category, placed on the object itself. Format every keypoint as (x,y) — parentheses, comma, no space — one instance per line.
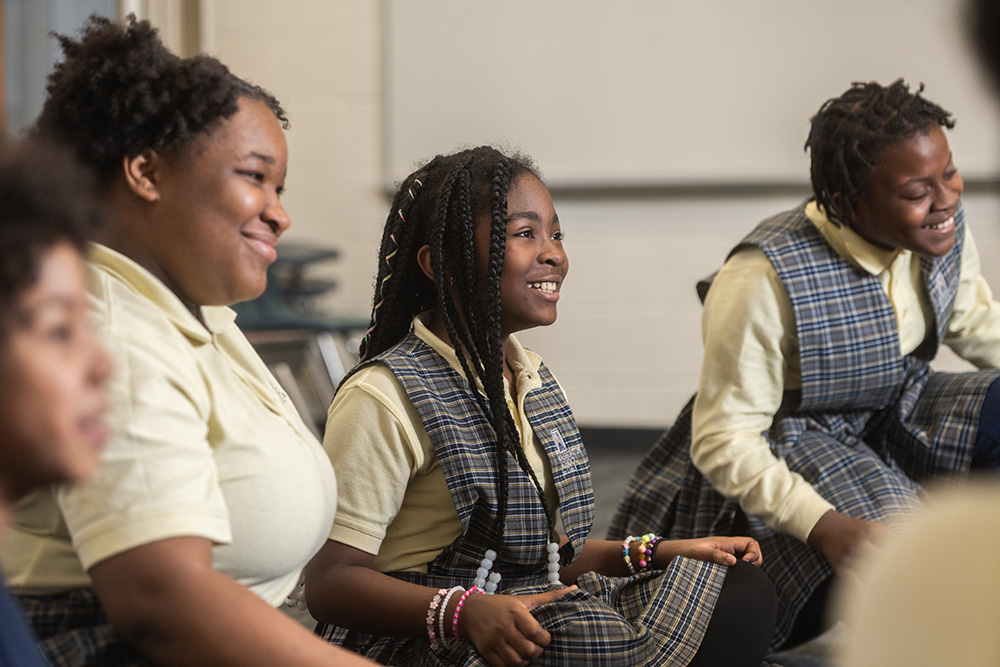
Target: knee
(751,588)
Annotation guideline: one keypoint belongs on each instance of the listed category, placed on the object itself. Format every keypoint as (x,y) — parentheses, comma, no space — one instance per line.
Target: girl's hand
(502,628)
(721,550)
(842,538)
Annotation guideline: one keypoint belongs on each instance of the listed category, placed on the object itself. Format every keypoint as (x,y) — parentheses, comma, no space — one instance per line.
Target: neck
(437,327)
(124,234)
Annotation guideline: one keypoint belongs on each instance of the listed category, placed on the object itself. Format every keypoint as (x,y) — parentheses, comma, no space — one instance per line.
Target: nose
(276,215)
(553,253)
(101,366)
(947,193)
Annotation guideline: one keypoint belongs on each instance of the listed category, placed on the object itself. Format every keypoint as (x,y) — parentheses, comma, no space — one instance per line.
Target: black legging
(987,451)
(742,622)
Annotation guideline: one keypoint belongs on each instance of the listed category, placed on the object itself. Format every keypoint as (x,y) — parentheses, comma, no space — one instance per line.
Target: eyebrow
(61,302)
(920,179)
(260,156)
(528,215)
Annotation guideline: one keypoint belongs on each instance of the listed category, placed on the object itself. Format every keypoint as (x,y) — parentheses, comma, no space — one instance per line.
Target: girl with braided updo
(818,417)
(204,509)
(459,462)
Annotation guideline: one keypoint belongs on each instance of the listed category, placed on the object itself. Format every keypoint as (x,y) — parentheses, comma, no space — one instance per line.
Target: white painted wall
(627,346)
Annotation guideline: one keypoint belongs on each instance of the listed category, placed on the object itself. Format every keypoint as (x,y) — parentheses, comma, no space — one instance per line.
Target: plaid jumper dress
(867,426)
(647,619)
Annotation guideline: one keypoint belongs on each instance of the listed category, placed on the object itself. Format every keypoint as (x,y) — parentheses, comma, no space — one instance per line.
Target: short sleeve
(375,449)
(157,477)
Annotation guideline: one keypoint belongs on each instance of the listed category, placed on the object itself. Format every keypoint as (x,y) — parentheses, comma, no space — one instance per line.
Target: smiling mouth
(263,245)
(546,287)
(942,226)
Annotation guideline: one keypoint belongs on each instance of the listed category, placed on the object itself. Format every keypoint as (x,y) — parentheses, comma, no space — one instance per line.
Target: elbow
(142,621)
(320,591)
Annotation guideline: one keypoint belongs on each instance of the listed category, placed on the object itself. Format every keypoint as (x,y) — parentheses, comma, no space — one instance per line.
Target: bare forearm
(167,600)
(215,621)
(601,556)
(362,599)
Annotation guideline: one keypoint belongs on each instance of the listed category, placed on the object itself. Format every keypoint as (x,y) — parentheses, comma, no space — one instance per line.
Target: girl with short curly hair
(204,509)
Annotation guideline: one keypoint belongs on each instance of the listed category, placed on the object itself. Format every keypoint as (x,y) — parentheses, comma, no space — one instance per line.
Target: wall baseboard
(606,440)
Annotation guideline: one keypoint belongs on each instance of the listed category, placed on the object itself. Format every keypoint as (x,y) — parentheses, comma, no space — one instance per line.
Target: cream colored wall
(321,58)
(627,346)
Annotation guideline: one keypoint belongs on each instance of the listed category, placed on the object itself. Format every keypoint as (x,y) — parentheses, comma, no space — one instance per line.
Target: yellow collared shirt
(751,358)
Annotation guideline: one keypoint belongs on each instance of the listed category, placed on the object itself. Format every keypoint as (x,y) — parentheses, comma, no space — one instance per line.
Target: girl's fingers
(532,601)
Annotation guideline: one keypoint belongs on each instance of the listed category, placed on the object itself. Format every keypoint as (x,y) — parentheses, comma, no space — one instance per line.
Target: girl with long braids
(212,494)
(818,417)
(459,462)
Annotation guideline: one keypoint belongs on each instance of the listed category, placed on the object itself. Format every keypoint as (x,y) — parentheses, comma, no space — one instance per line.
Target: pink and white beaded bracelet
(458,609)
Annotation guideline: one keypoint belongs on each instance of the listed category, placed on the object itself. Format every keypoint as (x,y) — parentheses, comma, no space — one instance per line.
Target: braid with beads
(849,133)
(439,206)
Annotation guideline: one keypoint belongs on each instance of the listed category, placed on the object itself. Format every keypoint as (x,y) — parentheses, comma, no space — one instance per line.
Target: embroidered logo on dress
(560,443)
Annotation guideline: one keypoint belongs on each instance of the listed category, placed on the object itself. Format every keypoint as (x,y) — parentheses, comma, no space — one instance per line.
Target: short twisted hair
(849,133)
(120,91)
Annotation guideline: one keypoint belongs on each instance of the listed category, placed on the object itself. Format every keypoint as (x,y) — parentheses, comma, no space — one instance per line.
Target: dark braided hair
(439,205)
(849,133)
(120,91)
(37,216)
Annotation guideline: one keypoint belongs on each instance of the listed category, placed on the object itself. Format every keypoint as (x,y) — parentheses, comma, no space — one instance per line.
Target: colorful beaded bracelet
(646,544)
(626,545)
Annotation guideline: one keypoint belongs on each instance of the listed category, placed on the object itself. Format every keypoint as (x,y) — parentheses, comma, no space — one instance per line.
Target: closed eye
(254,175)
(60,334)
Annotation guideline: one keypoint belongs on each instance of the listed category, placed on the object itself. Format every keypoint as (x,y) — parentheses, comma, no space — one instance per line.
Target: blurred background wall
(665,130)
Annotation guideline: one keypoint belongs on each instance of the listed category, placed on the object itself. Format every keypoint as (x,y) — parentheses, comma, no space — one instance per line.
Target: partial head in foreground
(52,398)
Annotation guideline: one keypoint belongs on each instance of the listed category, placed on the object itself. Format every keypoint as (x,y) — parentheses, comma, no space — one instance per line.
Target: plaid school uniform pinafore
(647,619)
(866,427)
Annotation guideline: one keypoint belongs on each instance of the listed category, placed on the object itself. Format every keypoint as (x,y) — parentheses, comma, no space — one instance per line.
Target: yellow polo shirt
(393,499)
(204,443)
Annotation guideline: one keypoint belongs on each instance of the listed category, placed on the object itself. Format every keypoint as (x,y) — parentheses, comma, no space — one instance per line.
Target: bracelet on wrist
(432,633)
(646,544)
(458,609)
(626,546)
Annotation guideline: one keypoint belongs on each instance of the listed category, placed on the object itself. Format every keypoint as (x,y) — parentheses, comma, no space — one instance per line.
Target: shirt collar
(849,244)
(518,357)
(216,318)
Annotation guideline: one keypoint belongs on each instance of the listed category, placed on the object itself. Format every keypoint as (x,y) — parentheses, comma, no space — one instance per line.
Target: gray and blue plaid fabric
(846,327)
(73,631)
(899,424)
(648,619)
(464,444)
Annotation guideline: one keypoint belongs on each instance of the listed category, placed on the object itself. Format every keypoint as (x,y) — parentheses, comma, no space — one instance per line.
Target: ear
(141,174)
(424,261)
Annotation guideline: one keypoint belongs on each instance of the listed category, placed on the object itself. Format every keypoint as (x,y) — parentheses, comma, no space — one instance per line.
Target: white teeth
(547,287)
(943,225)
